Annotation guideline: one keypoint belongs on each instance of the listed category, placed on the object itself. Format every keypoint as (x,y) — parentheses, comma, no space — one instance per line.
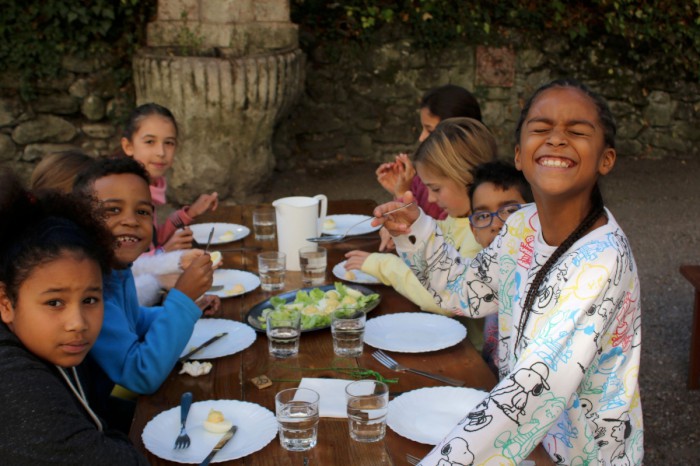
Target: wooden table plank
(231,376)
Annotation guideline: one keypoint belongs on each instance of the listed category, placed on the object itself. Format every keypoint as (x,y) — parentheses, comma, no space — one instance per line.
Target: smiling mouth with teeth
(127,239)
(555,163)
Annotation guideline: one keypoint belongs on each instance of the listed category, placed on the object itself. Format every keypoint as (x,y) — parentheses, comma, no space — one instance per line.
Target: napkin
(332,402)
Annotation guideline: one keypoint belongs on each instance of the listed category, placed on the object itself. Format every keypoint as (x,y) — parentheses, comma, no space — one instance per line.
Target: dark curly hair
(503,175)
(116,165)
(40,227)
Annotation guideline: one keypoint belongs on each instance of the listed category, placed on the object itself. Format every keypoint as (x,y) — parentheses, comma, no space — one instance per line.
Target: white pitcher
(298,218)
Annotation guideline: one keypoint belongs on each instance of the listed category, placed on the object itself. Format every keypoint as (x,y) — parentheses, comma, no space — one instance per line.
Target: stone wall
(75,111)
(364,105)
(358,106)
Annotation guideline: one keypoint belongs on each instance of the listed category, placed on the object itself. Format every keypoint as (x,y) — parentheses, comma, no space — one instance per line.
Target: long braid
(597,209)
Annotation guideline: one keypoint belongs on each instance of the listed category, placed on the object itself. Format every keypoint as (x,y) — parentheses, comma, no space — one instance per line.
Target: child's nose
(128,219)
(557,137)
(75,320)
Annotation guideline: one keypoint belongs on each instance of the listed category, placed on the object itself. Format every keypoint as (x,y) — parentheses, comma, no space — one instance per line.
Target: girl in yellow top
(444,162)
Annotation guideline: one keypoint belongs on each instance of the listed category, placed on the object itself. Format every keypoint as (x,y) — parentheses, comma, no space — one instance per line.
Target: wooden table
(692,274)
(231,376)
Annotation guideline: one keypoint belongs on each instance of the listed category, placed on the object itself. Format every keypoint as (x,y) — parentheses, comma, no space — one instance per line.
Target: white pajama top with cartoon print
(571,383)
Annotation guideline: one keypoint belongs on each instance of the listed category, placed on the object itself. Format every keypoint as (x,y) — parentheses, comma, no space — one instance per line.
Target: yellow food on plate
(216,422)
(215,257)
(350,275)
(228,236)
(329,224)
(236,289)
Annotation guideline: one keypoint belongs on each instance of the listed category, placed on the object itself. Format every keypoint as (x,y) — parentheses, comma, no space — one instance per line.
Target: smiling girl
(53,254)
(150,137)
(562,278)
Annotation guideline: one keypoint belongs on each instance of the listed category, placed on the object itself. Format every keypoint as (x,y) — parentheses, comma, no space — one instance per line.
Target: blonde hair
(455,147)
(58,170)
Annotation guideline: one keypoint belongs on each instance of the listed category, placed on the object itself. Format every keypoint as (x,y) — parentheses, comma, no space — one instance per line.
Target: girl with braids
(53,254)
(561,276)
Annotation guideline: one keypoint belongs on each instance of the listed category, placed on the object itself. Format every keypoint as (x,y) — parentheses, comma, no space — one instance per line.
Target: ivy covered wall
(65,71)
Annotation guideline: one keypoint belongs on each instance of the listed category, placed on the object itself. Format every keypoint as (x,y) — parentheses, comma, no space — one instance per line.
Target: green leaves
(639,30)
(34,35)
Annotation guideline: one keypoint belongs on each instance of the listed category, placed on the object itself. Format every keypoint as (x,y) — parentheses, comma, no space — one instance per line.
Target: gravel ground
(657,202)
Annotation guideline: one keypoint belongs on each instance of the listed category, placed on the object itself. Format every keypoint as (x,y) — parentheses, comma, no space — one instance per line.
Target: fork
(390,363)
(183,440)
(412,459)
(341,237)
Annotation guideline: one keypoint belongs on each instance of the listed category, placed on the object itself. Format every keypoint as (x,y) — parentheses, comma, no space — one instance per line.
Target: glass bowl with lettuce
(315,305)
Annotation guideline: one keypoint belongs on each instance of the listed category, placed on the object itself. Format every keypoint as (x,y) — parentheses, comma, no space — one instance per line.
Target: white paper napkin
(332,402)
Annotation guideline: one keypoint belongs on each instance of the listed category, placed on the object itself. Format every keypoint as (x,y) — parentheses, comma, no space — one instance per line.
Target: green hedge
(36,34)
(660,38)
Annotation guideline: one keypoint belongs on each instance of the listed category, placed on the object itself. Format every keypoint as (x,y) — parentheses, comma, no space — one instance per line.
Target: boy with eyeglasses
(497,191)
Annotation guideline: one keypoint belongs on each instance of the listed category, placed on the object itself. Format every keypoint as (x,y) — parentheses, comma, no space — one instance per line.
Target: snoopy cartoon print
(456,453)
(512,397)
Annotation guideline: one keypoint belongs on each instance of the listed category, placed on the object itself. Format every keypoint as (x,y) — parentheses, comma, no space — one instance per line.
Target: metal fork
(183,440)
(390,363)
(412,459)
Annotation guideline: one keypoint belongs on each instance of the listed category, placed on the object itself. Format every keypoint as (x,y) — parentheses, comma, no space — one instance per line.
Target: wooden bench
(692,274)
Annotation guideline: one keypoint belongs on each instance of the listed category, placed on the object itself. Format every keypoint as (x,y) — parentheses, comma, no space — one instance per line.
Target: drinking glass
(297,418)
(283,329)
(264,223)
(348,330)
(271,268)
(313,265)
(368,405)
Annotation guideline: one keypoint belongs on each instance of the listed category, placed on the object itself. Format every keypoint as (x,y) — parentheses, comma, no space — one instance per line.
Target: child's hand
(181,239)
(197,278)
(355,259)
(399,222)
(387,176)
(204,203)
(209,304)
(188,256)
(387,242)
(168,280)
(406,173)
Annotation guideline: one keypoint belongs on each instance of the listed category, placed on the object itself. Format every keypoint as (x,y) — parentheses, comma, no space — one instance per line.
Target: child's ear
(7,310)
(517,158)
(607,161)
(127,147)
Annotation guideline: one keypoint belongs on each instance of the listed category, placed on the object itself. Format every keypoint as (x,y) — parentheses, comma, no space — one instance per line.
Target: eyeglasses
(483,219)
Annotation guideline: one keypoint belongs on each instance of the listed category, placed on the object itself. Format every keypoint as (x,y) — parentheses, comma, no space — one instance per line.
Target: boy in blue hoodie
(138,346)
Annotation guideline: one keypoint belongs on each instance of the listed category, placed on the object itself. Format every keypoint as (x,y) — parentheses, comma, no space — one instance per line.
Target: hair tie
(31,198)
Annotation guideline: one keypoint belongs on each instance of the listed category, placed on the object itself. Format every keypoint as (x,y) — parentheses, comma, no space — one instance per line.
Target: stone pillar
(229,70)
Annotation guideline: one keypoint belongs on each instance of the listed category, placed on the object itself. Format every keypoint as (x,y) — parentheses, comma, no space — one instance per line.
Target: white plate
(360,276)
(427,415)
(240,336)
(228,278)
(223,232)
(413,332)
(257,427)
(345,221)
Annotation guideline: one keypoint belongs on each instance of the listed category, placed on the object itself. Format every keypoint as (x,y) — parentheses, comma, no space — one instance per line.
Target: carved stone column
(229,70)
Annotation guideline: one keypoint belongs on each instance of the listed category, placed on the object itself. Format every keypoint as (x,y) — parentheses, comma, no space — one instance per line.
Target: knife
(202,346)
(211,235)
(227,436)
